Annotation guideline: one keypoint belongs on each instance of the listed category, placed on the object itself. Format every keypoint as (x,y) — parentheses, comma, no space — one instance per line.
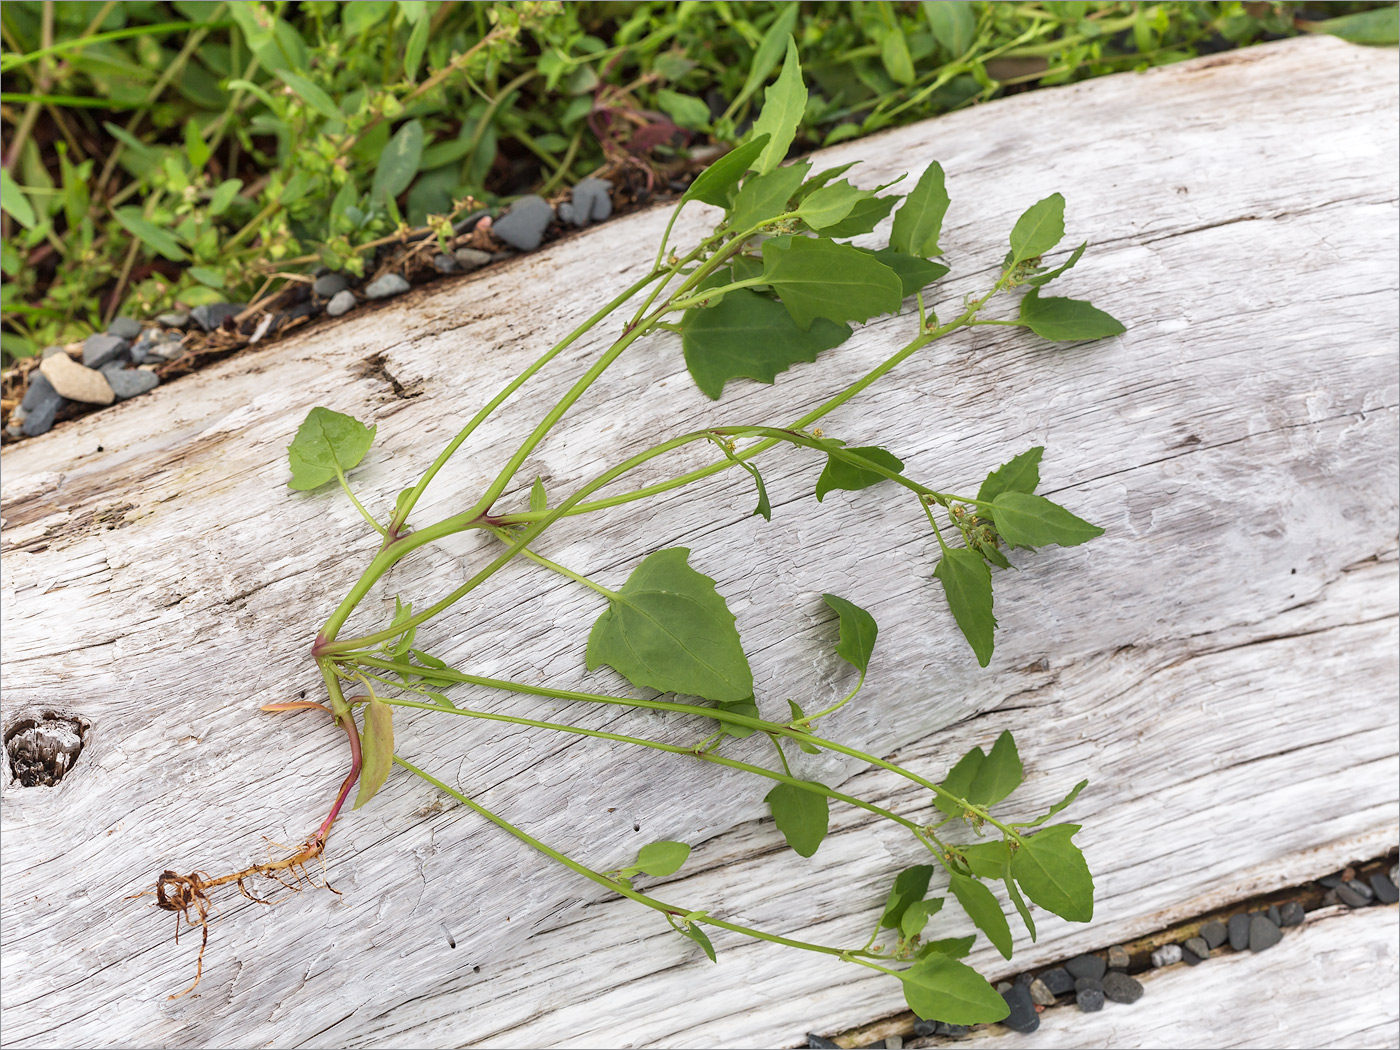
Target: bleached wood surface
(1222,664)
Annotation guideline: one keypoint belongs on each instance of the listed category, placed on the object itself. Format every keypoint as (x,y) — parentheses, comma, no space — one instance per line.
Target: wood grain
(1222,664)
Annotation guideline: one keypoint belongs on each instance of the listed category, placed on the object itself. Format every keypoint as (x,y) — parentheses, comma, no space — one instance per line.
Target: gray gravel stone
(814,1040)
(591,202)
(955,1031)
(1023,1017)
(129,382)
(329,284)
(1275,916)
(389,285)
(923,1029)
(1329,899)
(1292,914)
(1081,983)
(444,263)
(1214,934)
(41,403)
(165,347)
(1354,894)
(1166,955)
(212,315)
(1385,890)
(1262,933)
(174,319)
(567,213)
(1239,932)
(40,420)
(124,328)
(49,351)
(40,390)
(1058,980)
(1331,882)
(341,303)
(99,349)
(1121,988)
(471,258)
(1196,946)
(1086,966)
(1118,958)
(77,383)
(1040,994)
(524,225)
(1090,1000)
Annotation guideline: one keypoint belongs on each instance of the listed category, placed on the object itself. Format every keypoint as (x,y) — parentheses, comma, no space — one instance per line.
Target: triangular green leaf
(917,915)
(1052,872)
(959,780)
(750,336)
(1024,519)
(919,220)
(1067,320)
(864,217)
(829,205)
(324,441)
(997,776)
(669,629)
(910,885)
(984,910)
(968,584)
(986,860)
(802,816)
(817,278)
(939,988)
(714,184)
(784,102)
(659,859)
(764,197)
(376,750)
(858,631)
(1040,228)
(1020,474)
(841,473)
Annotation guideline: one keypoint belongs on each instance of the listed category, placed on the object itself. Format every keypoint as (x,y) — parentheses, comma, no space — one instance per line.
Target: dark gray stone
(40,390)
(1329,899)
(129,382)
(444,263)
(1354,894)
(952,1031)
(38,419)
(174,319)
(1040,994)
(1385,890)
(124,328)
(1331,882)
(1214,934)
(1090,1000)
(1239,932)
(1058,980)
(1118,958)
(1275,916)
(1197,946)
(567,213)
(49,351)
(923,1029)
(1086,966)
(471,258)
(524,225)
(329,284)
(1081,983)
(211,315)
(164,347)
(341,303)
(1262,933)
(1166,955)
(389,285)
(1291,914)
(814,1040)
(591,201)
(1023,1017)
(99,349)
(1121,988)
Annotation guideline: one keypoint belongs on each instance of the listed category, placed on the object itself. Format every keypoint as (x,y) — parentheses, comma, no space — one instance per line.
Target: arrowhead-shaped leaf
(784,102)
(324,441)
(765,197)
(858,631)
(999,774)
(1040,228)
(816,278)
(910,885)
(939,988)
(714,184)
(1024,519)
(841,473)
(968,584)
(1052,872)
(919,220)
(1020,474)
(1067,320)
(984,910)
(802,816)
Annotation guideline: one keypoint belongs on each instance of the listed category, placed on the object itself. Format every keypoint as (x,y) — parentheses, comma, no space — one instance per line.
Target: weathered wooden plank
(1222,664)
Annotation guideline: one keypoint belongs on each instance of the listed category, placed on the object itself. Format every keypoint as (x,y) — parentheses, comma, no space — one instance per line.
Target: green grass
(177,153)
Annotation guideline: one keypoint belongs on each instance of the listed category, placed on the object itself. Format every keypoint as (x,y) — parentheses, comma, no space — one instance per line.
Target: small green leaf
(207,276)
(696,934)
(686,110)
(747,335)
(413,50)
(895,57)
(817,278)
(998,775)
(148,233)
(841,473)
(538,501)
(1026,520)
(865,215)
(858,631)
(802,816)
(764,197)
(311,94)
(660,859)
(959,780)
(326,440)
(953,23)
(1067,320)
(223,195)
(986,860)
(915,274)
(1019,474)
(984,910)
(919,220)
(356,18)
(398,163)
(1045,278)
(917,915)
(769,50)
(1060,805)
(714,184)
(404,642)
(784,102)
(1040,228)
(1052,872)
(428,660)
(939,988)
(746,707)
(376,750)
(968,584)
(953,947)
(669,629)
(910,885)
(828,205)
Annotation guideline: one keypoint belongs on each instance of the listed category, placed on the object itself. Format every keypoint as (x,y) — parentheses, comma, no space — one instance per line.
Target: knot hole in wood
(44,745)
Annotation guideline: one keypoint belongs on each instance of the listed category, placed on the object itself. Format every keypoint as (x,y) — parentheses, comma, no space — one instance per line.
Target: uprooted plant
(776,283)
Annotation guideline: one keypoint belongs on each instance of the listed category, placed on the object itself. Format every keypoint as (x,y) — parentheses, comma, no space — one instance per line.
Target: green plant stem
(670,910)
(345,485)
(839,704)
(554,566)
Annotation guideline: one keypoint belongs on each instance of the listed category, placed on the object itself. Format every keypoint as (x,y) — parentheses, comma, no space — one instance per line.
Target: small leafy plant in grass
(775,284)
